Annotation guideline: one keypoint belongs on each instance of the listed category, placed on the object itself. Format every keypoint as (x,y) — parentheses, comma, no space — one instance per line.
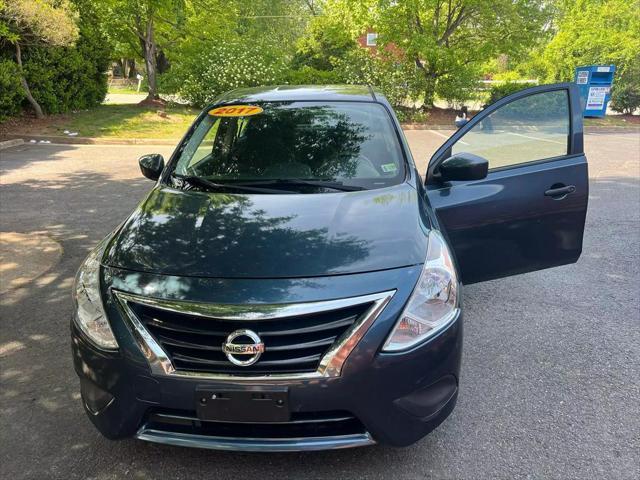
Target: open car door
(510,188)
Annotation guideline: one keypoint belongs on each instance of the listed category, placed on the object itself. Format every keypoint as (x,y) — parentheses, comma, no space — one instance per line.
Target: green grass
(123,121)
(130,121)
(614,121)
(129,90)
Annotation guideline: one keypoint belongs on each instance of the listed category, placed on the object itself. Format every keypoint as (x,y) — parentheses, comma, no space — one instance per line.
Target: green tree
(11,91)
(447,40)
(71,78)
(324,41)
(31,23)
(395,79)
(225,44)
(147,26)
(594,32)
(201,77)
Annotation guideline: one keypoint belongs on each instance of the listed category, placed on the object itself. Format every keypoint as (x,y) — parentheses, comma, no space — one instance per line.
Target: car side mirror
(464,166)
(151,165)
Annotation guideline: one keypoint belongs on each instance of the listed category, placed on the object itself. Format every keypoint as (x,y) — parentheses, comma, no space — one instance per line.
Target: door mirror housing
(464,166)
(151,165)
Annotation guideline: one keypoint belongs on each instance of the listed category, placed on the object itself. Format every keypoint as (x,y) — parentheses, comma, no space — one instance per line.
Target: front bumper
(401,398)
(393,399)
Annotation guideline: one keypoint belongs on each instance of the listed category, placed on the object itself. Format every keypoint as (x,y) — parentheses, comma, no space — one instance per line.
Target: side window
(213,136)
(200,143)
(531,128)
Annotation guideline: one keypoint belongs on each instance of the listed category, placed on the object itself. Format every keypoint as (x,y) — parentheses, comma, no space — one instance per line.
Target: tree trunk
(429,91)
(162,62)
(430,80)
(150,51)
(25,85)
(124,67)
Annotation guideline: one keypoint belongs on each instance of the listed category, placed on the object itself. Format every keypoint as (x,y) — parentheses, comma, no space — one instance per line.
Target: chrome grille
(293,344)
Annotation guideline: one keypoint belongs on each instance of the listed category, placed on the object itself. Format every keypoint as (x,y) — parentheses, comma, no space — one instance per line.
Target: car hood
(189,233)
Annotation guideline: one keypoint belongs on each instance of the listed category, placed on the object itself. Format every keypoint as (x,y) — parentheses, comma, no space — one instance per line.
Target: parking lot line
(536,138)
(446,136)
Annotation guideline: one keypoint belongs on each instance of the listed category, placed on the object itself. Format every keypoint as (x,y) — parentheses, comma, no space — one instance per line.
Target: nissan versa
(291,282)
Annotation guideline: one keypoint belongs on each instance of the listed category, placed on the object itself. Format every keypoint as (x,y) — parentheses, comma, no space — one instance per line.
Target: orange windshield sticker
(236,111)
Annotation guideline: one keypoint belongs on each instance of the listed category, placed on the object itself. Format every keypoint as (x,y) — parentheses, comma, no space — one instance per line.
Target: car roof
(280,93)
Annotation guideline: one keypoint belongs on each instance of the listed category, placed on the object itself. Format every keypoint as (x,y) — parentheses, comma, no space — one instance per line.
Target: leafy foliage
(70,78)
(426,49)
(145,27)
(11,93)
(62,78)
(324,41)
(501,90)
(596,32)
(447,41)
(231,44)
(592,32)
(200,79)
(44,21)
(36,22)
(307,75)
(625,98)
(395,79)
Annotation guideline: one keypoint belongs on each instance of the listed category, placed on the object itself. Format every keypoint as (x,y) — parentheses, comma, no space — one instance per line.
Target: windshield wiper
(208,184)
(332,185)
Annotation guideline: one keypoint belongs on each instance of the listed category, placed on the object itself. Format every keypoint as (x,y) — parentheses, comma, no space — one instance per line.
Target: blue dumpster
(595,83)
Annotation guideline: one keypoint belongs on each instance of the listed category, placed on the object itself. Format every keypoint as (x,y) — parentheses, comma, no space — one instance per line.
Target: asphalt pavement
(550,383)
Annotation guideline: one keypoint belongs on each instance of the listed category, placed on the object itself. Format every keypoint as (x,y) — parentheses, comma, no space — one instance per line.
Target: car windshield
(269,147)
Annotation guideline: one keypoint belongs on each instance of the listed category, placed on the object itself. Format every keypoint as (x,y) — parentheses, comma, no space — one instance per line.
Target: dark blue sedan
(291,282)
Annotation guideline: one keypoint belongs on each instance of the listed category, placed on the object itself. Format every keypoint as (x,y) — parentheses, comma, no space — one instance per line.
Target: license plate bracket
(253,404)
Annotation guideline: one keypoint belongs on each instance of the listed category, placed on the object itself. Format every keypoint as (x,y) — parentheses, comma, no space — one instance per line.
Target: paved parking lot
(551,369)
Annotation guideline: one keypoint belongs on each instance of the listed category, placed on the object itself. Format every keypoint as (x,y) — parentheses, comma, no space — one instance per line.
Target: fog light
(428,401)
(94,397)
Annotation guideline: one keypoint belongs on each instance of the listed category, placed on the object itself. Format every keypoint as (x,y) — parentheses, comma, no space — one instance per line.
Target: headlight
(434,301)
(90,315)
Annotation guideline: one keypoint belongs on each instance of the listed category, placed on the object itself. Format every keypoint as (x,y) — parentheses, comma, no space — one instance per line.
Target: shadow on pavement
(43,428)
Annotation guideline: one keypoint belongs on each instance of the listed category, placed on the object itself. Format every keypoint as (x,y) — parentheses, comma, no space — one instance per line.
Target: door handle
(560,192)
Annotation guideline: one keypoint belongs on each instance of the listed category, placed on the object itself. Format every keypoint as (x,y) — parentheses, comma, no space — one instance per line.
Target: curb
(19,139)
(611,129)
(424,126)
(25,138)
(11,143)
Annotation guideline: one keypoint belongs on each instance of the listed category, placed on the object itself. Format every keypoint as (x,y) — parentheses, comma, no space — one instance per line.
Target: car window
(349,142)
(531,128)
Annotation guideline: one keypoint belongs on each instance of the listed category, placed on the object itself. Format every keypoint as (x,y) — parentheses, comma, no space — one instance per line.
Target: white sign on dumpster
(595,100)
(583,77)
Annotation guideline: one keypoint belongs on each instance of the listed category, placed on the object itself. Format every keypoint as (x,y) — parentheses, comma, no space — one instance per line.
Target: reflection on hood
(206,234)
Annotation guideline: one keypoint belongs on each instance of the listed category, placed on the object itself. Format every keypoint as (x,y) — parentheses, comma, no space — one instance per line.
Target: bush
(412,115)
(625,98)
(202,75)
(323,41)
(11,93)
(311,76)
(458,87)
(625,94)
(395,80)
(504,89)
(63,79)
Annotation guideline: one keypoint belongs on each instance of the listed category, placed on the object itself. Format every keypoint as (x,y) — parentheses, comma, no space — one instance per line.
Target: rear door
(529,212)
